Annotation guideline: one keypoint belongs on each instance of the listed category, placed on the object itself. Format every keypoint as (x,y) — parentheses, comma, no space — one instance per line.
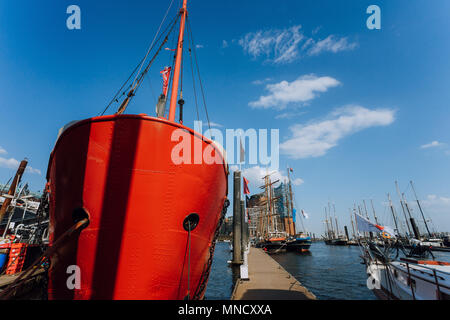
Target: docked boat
(275,244)
(394,273)
(300,243)
(333,236)
(408,279)
(341,240)
(149,220)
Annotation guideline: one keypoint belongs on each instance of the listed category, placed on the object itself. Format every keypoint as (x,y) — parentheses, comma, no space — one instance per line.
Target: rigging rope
(115,98)
(134,89)
(153,42)
(198,72)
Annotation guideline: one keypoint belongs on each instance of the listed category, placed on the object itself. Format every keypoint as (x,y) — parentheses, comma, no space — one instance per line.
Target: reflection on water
(220,284)
(330,272)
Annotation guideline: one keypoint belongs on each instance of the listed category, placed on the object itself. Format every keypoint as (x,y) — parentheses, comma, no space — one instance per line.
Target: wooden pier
(268,281)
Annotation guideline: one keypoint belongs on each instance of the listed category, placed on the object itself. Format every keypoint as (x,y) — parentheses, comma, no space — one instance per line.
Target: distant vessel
(333,235)
(153,221)
(273,219)
(300,243)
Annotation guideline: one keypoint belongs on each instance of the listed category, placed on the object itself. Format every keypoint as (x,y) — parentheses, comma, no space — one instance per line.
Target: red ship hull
(120,171)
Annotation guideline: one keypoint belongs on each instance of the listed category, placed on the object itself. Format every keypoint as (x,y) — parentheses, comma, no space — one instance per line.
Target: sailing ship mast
(177,68)
(374,213)
(393,213)
(291,203)
(403,208)
(353,226)
(335,218)
(420,208)
(413,222)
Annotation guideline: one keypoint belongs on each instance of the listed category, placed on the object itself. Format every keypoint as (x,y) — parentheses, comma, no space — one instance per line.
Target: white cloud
(331,44)
(303,89)
(437,207)
(279,46)
(2,151)
(289,115)
(286,45)
(316,138)
(259,82)
(436,204)
(12,163)
(432,144)
(199,46)
(212,124)
(256,174)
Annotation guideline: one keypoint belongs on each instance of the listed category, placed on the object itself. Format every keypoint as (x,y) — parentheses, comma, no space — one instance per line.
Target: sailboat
(272,236)
(152,222)
(298,242)
(411,277)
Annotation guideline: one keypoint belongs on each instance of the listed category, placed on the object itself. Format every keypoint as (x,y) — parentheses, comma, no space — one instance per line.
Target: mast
(337,227)
(328,227)
(365,209)
(403,208)
(393,213)
(420,208)
(291,201)
(413,222)
(353,226)
(177,68)
(331,219)
(12,188)
(374,214)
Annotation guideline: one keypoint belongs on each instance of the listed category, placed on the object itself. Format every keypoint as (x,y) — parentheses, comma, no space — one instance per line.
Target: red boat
(152,222)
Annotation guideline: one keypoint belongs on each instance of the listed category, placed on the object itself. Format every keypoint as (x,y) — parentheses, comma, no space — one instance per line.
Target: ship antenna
(177,69)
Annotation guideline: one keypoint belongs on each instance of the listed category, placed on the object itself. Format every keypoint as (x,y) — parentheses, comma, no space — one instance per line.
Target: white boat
(408,279)
(391,277)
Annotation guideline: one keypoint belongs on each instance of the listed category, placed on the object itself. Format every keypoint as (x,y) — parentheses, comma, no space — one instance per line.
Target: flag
(365,225)
(247,201)
(291,170)
(166,75)
(246,189)
(294,214)
(242,155)
(305,214)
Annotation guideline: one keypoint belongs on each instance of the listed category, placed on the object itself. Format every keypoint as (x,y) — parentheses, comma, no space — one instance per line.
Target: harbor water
(329,272)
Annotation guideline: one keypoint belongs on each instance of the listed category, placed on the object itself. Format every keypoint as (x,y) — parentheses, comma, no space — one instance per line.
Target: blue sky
(356,108)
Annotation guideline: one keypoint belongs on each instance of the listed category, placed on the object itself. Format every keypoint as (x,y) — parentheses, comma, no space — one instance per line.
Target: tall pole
(237,220)
(365,209)
(374,214)
(337,226)
(327,230)
(353,226)
(291,201)
(420,208)
(403,208)
(413,222)
(393,213)
(177,68)
(331,221)
(13,187)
